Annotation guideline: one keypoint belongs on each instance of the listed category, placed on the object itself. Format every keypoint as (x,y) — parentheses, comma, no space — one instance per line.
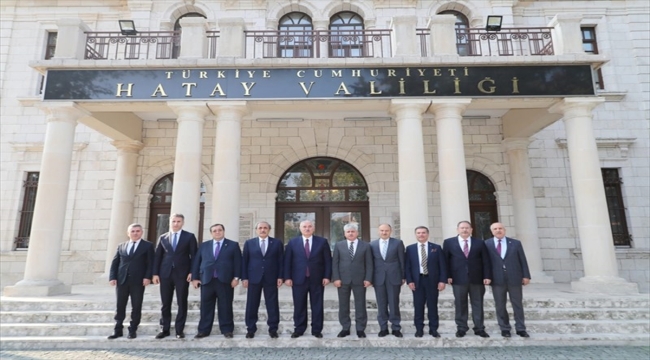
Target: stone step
(447,327)
(330,314)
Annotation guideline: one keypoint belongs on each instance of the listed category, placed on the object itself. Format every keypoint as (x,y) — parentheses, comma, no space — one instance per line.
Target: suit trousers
(425,293)
(253,299)
(360,313)
(475,293)
(515,292)
(314,288)
(388,306)
(222,294)
(123,292)
(178,283)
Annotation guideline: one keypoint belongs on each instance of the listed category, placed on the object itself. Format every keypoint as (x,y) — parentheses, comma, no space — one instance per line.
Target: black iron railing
(144,45)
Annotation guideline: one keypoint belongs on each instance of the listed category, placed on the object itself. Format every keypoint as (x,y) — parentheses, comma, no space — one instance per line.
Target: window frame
(592,41)
(26,212)
(616,209)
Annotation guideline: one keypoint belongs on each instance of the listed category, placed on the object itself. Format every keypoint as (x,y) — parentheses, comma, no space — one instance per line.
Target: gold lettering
(251,73)
(221,74)
(120,90)
(391,72)
(159,89)
(266,73)
(452,72)
(169,74)
(436,72)
(188,88)
(203,75)
(300,73)
(237,74)
(515,85)
(408,71)
(342,88)
(372,89)
(219,90)
(356,73)
(466,71)
(247,88)
(490,89)
(426,88)
(307,90)
(401,86)
(374,72)
(186,74)
(318,73)
(421,71)
(337,73)
(457,86)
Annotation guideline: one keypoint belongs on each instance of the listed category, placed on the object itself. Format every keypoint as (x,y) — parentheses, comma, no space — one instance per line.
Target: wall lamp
(493,23)
(127,27)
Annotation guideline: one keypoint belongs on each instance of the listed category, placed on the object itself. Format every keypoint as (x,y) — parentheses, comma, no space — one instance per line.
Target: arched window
(482,204)
(463,37)
(295,38)
(346,35)
(176,50)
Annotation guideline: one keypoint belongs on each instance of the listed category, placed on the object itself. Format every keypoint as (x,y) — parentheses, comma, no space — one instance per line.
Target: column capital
(457,105)
(320,24)
(576,106)
(510,144)
(128,146)
(189,110)
(63,111)
(218,107)
(398,106)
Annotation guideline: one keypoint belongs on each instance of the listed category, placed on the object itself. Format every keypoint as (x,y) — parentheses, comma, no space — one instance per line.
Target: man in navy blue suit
(172,269)
(426,275)
(262,272)
(307,270)
(217,268)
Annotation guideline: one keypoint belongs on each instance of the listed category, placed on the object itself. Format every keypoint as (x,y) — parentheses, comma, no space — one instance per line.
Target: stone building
(410,112)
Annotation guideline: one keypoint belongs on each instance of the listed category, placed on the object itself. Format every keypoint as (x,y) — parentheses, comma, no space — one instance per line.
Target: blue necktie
(175,242)
(216,255)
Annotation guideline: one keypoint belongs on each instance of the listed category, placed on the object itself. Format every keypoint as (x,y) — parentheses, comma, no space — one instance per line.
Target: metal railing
(318,43)
(145,45)
(213,36)
(423,40)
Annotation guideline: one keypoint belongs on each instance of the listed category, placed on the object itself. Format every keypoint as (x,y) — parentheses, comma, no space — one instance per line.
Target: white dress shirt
(504,246)
(461,242)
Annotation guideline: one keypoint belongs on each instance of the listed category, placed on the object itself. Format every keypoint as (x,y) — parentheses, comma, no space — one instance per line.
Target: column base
(605,285)
(28,288)
(541,278)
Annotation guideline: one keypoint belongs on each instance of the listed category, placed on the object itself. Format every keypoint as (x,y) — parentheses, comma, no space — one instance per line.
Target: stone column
(443,35)
(43,255)
(227,165)
(123,198)
(524,206)
(186,191)
(452,172)
(194,40)
(596,241)
(404,38)
(413,195)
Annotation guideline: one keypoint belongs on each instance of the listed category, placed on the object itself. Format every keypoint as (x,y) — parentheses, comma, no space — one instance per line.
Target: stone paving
(533,352)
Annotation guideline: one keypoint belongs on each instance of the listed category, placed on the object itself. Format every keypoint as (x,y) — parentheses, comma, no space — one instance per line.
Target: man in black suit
(388,278)
(307,270)
(262,272)
(468,268)
(426,275)
(131,271)
(172,269)
(217,268)
(509,274)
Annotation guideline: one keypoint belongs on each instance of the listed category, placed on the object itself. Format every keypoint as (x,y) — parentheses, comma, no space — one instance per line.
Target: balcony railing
(213,36)
(307,43)
(144,45)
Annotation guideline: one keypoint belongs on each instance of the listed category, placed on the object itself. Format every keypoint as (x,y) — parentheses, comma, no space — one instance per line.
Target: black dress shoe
(460,334)
(201,335)
(296,334)
(132,335)
(319,335)
(180,335)
(382,333)
(343,333)
(228,335)
(273,334)
(419,333)
(397,333)
(505,333)
(250,335)
(434,334)
(481,333)
(523,333)
(361,334)
(162,335)
(115,335)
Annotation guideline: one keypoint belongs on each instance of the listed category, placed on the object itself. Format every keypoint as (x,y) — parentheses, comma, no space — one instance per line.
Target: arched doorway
(160,209)
(482,204)
(329,192)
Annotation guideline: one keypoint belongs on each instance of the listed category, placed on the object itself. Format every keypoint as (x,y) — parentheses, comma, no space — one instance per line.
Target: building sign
(319,83)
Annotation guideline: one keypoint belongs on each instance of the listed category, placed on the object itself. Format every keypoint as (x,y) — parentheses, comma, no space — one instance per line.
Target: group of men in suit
(307,265)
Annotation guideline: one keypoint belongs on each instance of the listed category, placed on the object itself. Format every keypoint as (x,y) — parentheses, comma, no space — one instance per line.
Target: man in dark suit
(352,273)
(131,271)
(509,274)
(388,278)
(468,268)
(217,268)
(172,269)
(307,270)
(262,272)
(426,274)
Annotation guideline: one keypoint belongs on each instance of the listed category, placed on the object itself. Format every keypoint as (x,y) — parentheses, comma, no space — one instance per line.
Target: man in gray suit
(388,258)
(509,274)
(352,272)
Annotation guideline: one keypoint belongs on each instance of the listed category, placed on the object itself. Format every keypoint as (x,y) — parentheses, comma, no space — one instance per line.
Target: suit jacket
(514,263)
(228,264)
(296,262)
(391,270)
(467,270)
(352,271)
(180,260)
(257,267)
(435,264)
(132,269)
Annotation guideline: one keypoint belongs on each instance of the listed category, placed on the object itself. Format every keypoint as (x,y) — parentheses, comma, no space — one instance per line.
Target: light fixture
(127,27)
(493,23)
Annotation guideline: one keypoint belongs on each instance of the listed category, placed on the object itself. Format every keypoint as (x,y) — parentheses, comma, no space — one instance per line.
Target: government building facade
(532,113)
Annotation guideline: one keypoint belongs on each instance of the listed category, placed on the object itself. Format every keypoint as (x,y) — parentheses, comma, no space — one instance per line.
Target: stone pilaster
(232,39)
(71,39)
(194,40)
(443,35)
(567,36)
(404,39)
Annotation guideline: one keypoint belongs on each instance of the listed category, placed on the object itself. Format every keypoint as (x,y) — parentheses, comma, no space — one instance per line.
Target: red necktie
(499,248)
(466,249)
(307,253)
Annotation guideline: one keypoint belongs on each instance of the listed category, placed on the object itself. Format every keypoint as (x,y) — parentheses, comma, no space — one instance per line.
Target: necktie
(384,248)
(263,247)
(307,253)
(216,254)
(423,253)
(175,242)
(351,249)
(132,248)
(499,248)
(466,249)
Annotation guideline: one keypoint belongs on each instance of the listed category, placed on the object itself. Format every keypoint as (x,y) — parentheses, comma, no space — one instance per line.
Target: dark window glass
(30,186)
(346,35)
(615,207)
(295,38)
(590,46)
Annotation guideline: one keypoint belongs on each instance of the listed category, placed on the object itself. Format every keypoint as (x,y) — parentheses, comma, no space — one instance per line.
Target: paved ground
(533,352)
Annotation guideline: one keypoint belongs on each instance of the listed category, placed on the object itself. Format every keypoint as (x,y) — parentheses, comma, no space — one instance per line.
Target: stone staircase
(554,316)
